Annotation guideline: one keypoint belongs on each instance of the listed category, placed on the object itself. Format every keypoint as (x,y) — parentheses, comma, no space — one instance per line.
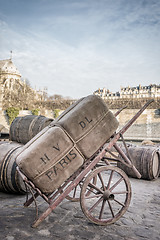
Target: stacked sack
(57,151)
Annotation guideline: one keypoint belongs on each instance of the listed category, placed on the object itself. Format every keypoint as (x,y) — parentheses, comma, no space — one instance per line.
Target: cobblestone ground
(141,221)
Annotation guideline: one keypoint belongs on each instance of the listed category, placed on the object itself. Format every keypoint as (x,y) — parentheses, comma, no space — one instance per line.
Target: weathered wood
(25,128)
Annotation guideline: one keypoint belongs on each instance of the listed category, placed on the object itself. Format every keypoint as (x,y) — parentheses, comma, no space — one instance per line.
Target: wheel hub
(107,195)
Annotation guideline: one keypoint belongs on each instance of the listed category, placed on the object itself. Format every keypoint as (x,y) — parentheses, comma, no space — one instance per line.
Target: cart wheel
(74,195)
(109,198)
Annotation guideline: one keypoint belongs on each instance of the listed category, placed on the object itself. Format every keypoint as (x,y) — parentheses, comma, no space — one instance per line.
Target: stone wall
(132,103)
(147,126)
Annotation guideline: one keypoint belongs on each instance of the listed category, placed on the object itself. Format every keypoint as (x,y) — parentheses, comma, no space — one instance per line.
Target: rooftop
(7,66)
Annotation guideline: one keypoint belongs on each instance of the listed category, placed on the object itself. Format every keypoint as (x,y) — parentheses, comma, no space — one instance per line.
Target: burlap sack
(89,123)
(60,149)
(50,159)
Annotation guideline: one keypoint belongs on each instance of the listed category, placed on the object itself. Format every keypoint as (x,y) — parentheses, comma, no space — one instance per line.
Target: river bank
(146,127)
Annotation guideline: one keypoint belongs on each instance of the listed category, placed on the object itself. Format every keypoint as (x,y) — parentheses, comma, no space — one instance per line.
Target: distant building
(151,91)
(10,82)
(8,73)
(9,77)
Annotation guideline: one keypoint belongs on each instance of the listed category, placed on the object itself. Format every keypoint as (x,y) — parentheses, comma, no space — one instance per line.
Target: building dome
(7,67)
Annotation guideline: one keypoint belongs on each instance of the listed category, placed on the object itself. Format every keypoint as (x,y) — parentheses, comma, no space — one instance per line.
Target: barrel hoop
(30,132)
(142,158)
(13,130)
(2,168)
(14,178)
(1,173)
(4,178)
(153,153)
(41,125)
(149,163)
(16,129)
(43,122)
(4,173)
(17,132)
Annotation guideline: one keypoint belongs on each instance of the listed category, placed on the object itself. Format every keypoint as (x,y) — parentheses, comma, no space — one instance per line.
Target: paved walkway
(140,222)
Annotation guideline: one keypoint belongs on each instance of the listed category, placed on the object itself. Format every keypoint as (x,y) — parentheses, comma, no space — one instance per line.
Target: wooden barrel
(158,146)
(25,128)
(146,159)
(10,181)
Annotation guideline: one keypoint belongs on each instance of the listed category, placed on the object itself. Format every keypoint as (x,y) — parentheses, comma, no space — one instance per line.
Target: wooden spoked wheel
(74,195)
(109,198)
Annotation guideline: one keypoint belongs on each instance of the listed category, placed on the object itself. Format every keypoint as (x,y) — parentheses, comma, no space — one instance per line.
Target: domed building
(14,92)
(10,77)
(8,73)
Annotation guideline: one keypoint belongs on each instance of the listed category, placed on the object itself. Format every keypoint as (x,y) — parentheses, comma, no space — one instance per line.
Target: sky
(74,47)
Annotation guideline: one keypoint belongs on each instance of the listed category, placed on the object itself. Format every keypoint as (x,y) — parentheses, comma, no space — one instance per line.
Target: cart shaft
(135,117)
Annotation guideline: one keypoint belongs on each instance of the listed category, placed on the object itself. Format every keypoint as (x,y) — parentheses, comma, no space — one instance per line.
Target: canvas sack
(89,123)
(50,159)
(55,153)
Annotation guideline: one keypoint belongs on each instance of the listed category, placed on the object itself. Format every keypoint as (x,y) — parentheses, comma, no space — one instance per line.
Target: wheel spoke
(95,187)
(96,204)
(119,203)
(116,184)
(121,192)
(105,201)
(80,184)
(95,196)
(74,193)
(101,179)
(90,190)
(102,209)
(110,207)
(110,179)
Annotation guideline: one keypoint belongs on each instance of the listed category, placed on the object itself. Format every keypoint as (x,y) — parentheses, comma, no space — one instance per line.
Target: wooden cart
(104,190)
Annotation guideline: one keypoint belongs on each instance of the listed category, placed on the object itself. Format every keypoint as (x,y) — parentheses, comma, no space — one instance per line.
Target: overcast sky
(74,47)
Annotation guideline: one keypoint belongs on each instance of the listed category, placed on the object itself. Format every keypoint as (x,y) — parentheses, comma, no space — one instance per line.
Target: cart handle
(120,133)
(138,175)
(135,117)
(120,110)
